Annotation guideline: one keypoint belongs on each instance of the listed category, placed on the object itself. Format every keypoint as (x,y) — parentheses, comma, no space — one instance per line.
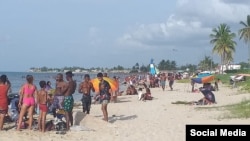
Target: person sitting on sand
(131,90)
(147,95)
(209,97)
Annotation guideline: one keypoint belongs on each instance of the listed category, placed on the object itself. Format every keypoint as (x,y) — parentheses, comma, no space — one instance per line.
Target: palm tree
(224,45)
(245,34)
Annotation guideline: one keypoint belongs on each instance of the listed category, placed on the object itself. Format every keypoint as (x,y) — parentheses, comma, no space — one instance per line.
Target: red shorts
(43,107)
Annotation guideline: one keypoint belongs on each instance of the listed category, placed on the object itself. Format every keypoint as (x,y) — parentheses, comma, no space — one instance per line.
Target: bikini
(29,101)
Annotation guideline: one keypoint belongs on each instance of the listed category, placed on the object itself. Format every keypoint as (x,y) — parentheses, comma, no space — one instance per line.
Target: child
(42,101)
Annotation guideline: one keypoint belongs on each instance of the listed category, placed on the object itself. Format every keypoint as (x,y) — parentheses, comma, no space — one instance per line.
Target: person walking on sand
(42,97)
(104,93)
(171,81)
(163,79)
(68,99)
(28,92)
(85,88)
(4,88)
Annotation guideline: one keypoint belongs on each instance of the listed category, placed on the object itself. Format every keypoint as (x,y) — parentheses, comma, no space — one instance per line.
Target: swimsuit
(43,107)
(29,101)
(68,103)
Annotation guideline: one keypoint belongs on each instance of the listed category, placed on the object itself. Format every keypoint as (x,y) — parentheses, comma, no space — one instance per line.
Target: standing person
(4,88)
(48,86)
(105,93)
(7,82)
(28,92)
(163,79)
(171,81)
(85,88)
(116,92)
(68,99)
(42,97)
(60,90)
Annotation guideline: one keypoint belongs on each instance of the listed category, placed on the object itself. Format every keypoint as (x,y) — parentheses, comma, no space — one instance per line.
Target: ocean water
(17,79)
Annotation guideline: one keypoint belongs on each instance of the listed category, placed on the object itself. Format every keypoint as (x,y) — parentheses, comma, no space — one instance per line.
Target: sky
(108,33)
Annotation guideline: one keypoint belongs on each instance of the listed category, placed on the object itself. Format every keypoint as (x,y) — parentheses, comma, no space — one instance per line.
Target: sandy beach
(130,119)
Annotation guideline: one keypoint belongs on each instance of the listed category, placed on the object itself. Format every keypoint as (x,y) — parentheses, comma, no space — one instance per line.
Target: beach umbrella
(113,84)
(206,79)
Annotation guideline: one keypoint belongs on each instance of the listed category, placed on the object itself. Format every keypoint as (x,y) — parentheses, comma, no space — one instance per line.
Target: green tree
(144,69)
(245,34)
(206,64)
(224,45)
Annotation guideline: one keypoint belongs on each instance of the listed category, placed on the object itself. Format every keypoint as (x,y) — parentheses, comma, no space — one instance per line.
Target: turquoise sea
(19,78)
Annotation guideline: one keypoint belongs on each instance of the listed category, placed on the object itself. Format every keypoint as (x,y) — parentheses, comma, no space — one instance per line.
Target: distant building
(229,67)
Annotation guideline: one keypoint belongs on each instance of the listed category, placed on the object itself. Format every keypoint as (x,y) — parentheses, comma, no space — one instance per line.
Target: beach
(130,119)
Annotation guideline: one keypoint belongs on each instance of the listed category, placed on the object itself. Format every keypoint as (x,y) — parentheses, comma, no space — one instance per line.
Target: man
(68,99)
(104,93)
(163,79)
(85,88)
(171,80)
(60,89)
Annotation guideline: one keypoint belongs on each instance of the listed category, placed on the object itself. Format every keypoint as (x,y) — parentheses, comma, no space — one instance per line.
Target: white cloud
(190,25)
(173,32)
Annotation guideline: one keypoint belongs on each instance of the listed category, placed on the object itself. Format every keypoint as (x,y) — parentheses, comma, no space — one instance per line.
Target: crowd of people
(46,99)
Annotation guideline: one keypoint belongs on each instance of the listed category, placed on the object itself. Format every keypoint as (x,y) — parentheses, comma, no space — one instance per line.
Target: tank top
(3,97)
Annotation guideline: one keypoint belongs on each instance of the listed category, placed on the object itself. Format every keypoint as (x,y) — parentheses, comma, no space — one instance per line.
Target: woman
(4,88)
(27,101)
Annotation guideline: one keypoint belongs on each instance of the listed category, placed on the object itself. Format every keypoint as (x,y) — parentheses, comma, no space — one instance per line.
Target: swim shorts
(68,103)
(43,107)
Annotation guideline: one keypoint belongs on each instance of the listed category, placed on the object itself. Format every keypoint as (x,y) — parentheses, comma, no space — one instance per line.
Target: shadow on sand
(78,117)
(121,117)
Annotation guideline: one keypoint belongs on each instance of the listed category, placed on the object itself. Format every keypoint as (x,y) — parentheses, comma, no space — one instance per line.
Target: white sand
(130,119)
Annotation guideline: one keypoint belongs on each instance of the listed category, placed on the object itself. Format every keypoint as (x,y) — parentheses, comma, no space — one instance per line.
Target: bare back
(71,87)
(42,97)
